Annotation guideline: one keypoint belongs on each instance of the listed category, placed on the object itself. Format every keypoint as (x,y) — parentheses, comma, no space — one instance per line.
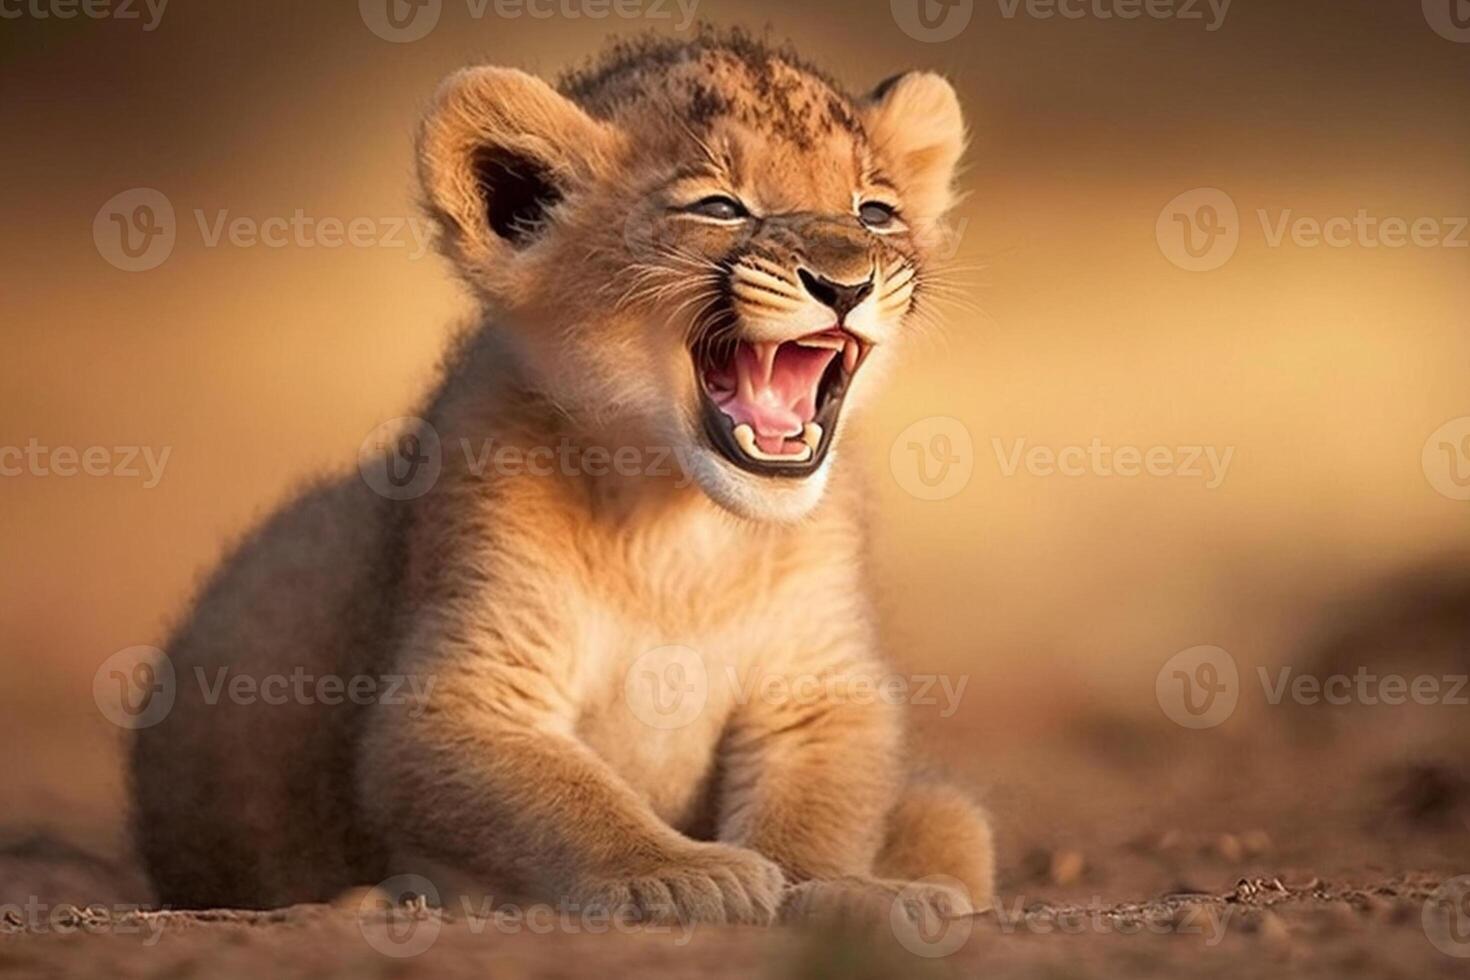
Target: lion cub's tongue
(775,390)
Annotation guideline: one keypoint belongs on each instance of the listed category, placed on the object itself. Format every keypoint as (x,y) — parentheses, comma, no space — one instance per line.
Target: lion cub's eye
(879,216)
(720,207)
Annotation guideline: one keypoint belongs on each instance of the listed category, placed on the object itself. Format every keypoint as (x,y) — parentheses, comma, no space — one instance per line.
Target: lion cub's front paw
(867,902)
(706,883)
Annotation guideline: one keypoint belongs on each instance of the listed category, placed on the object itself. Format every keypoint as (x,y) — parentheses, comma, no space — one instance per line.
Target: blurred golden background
(1324,369)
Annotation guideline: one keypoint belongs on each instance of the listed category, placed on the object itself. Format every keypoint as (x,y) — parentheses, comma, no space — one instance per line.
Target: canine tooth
(811,434)
(849,355)
(825,343)
(766,350)
(745,385)
(745,439)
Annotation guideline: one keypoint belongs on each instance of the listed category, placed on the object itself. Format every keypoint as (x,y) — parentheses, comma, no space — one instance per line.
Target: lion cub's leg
(937,854)
(814,782)
(809,779)
(524,809)
(937,830)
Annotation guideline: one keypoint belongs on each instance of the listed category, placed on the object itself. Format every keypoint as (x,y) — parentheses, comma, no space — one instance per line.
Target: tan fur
(528,598)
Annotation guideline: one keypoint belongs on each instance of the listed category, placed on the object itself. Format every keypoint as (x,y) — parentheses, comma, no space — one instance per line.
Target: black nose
(841,299)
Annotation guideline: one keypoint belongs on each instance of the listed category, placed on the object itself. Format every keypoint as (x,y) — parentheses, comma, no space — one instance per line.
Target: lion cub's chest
(655,701)
(664,643)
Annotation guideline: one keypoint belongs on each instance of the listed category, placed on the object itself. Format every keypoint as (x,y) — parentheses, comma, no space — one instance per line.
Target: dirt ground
(1263,928)
(1293,846)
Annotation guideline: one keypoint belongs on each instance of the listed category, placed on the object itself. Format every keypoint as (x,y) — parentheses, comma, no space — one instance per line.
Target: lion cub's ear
(916,128)
(497,152)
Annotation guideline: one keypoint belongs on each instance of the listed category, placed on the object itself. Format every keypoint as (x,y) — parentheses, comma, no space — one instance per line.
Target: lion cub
(693,258)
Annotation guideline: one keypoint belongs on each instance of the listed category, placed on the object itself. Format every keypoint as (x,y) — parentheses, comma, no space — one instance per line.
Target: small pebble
(1300,881)
(1067,867)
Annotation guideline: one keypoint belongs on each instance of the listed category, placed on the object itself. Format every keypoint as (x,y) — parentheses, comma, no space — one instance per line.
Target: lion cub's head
(706,244)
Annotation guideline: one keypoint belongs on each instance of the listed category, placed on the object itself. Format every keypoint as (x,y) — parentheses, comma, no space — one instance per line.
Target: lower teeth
(811,436)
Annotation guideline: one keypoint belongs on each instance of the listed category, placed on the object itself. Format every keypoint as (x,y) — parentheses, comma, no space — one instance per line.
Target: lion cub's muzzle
(772,384)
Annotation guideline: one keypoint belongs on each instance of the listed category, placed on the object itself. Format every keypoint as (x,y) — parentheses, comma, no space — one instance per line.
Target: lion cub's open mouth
(771,407)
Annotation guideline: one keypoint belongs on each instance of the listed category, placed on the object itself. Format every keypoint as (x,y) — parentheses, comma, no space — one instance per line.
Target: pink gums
(772,388)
